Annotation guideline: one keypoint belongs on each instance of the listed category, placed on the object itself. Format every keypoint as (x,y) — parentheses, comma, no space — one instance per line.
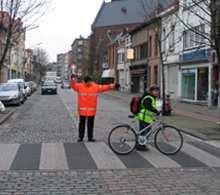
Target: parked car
(2,107)
(21,82)
(49,87)
(33,86)
(11,93)
(65,84)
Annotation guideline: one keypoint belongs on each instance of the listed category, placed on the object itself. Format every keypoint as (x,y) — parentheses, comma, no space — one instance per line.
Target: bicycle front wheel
(122,139)
(168,140)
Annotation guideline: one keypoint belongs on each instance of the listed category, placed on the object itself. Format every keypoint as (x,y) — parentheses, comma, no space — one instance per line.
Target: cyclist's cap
(154,87)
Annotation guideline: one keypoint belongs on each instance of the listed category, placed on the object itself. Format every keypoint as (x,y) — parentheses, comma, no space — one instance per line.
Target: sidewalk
(5,115)
(199,121)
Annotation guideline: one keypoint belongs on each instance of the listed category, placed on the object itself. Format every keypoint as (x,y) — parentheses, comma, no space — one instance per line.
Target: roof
(120,12)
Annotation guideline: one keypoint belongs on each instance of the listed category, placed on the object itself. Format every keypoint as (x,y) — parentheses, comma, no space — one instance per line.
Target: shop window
(202,83)
(188,83)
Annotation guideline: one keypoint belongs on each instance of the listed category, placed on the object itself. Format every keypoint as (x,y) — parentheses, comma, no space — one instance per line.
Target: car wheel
(19,103)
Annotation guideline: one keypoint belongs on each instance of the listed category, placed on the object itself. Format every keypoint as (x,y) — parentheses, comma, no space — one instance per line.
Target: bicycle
(124,138)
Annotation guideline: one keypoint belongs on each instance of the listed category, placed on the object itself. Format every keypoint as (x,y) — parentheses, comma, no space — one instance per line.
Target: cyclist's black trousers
(90,126)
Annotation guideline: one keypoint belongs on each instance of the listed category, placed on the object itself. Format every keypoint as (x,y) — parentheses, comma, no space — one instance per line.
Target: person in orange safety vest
(87,104)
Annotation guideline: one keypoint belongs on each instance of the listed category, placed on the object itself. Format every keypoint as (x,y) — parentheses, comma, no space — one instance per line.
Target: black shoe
(79,140)
(91,140)
(142,148)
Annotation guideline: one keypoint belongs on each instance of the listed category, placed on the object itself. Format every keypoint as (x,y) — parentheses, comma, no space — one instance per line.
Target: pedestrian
(87,104)
(147,110)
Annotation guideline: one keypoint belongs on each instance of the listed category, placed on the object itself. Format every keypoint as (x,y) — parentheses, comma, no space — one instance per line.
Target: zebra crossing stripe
(8,153)
(214,143)
(158,160)
(53,157)
(205,157)
(27,157)
(104,157)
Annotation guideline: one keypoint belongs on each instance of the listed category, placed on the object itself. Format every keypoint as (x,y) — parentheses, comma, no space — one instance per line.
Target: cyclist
(147,110)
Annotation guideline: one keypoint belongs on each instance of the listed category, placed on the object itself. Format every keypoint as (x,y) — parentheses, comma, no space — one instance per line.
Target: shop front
(195,83)
(138,78)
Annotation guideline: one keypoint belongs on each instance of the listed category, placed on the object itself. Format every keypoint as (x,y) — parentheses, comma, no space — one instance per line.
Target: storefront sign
(130,54)
(198,55)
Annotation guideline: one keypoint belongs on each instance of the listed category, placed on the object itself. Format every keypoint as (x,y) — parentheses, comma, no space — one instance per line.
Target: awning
(110,73)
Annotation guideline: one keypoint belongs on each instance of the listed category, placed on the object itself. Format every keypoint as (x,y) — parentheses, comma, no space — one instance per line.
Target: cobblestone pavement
(41,119)
(134,181)
(49,119)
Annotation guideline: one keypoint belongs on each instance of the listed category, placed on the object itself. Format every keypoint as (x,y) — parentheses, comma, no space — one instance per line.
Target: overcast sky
(65,21)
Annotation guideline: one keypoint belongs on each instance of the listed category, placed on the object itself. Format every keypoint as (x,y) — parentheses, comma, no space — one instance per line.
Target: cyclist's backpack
(135,104)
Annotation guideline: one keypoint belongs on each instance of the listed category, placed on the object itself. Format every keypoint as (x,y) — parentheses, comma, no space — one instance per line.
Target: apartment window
(143,51)
(172,37)
(156,45)
(155,75)
(121,58)
(149,75)
(192,38)
(164,40)
(187,3)
(150,46)
(137,53)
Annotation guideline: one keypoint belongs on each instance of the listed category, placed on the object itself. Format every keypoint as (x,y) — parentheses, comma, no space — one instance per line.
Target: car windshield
(8,87)
(48,83)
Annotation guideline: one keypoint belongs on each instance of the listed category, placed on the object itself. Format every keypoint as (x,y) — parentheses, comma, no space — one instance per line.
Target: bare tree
(40,62)
(16,17)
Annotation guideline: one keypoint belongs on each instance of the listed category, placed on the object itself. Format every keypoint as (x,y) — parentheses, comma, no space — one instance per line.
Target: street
(40,155)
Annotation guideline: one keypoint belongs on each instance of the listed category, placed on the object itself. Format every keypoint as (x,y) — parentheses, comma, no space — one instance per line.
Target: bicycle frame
(153,128)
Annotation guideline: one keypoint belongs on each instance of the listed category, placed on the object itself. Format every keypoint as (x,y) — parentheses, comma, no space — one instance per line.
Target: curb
(6,117)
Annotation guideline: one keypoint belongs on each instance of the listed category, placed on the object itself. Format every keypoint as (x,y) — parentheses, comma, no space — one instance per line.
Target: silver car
(11,93)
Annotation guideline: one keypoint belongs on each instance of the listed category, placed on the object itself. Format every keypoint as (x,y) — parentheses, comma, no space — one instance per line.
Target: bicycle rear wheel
(168,140)
(122,139)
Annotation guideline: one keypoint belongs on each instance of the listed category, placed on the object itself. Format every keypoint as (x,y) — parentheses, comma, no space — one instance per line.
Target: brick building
(113,18)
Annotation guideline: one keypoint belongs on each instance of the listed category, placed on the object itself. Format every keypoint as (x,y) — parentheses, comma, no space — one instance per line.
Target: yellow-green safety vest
(144,114)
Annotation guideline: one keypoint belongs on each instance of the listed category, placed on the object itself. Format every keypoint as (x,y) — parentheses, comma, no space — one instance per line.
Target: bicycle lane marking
(157,159)
(8,153)
(104,157)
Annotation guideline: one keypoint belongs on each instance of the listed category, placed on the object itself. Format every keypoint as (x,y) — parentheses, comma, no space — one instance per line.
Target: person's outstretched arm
(73,84)
(103,88)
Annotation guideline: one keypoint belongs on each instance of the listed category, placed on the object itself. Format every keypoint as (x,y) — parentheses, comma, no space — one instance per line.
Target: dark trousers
(142,125)
(90,126)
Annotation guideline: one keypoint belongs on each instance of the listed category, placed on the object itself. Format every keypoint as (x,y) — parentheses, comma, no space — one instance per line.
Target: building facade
(13,64)
(80,52)
(112,19)
(62,65)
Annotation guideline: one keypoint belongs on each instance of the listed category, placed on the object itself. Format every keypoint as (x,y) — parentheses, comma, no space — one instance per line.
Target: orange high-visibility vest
(87,96)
